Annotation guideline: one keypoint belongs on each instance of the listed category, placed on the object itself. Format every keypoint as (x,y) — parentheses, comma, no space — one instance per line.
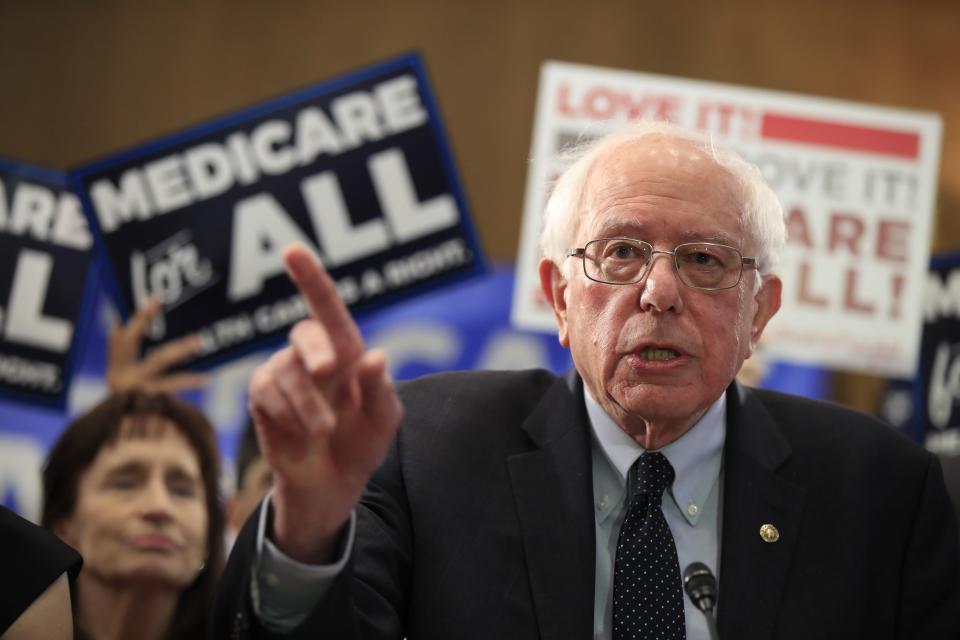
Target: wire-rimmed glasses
(701,265)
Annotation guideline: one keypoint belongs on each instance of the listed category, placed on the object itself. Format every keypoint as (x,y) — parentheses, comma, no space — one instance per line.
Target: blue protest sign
(937,383)
(357,168)
(45,271)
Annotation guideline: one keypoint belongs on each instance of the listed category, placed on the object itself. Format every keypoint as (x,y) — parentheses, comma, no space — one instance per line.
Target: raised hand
(325,411)
(125,369)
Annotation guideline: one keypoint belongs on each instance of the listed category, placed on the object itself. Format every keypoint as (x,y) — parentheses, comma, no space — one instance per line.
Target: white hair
(760,210)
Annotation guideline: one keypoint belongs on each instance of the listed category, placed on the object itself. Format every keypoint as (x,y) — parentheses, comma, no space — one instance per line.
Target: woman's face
(141,512)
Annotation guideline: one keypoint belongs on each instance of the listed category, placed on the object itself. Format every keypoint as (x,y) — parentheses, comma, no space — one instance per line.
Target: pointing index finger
(320,293)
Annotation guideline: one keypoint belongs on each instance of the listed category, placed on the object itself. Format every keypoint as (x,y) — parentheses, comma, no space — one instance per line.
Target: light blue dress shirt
(691,506)
(284,591)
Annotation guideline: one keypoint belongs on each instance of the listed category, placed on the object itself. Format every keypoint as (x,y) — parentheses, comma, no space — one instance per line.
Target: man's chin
(653,402)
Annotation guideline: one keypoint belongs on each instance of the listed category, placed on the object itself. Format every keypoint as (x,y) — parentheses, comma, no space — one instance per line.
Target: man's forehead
(660,165)
(655,152)
(659,173)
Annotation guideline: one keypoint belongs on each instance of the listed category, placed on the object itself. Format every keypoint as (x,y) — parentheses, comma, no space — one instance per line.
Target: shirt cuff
(285,591)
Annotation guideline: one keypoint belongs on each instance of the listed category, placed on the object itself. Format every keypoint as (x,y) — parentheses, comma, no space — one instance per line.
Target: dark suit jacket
(480,524)
(951,476)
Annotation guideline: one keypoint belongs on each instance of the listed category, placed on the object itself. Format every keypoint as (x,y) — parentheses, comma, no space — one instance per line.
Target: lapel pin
(769,533)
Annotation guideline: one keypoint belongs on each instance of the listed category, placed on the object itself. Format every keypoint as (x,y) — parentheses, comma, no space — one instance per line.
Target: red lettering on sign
(845,229)
(805,295)
(563,100)
(892,240)
(850,301)
(727,120)
(797,230)
(897,283)
(600,102)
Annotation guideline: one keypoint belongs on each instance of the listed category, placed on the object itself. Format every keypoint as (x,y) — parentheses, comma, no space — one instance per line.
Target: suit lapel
(553,492)
(753,571)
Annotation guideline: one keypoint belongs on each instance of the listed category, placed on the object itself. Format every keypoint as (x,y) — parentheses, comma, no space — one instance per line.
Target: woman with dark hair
(133,486)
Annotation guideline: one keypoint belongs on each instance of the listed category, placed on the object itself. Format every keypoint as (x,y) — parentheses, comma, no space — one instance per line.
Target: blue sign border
(921,384)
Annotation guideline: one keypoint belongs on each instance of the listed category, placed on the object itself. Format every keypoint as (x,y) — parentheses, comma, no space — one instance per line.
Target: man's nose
(661,284)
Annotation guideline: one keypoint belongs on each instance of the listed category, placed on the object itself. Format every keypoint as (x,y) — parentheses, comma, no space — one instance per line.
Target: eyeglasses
(700,265)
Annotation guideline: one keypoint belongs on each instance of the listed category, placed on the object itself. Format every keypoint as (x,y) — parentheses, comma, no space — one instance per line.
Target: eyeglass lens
(700,265)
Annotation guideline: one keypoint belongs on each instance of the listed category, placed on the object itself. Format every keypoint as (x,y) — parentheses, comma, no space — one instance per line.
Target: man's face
(657,354)
(141,513)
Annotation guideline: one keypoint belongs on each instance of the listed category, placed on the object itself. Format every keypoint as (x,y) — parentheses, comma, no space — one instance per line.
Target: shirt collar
(695,456)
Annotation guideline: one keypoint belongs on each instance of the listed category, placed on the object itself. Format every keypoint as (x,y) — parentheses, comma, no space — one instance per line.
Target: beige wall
(79,80)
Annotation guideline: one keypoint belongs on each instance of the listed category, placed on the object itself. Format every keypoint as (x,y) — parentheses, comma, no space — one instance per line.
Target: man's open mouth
(658,354)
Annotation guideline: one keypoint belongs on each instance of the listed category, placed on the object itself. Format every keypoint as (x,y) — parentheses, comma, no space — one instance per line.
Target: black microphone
(701,587)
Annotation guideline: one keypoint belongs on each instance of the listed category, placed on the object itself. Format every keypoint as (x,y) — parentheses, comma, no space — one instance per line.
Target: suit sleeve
(366,599)
(930,587)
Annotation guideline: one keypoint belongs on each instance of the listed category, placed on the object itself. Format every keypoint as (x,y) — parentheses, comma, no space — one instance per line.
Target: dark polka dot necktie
(647,595)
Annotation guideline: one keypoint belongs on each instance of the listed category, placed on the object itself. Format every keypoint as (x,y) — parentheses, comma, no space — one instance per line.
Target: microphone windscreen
(700,585)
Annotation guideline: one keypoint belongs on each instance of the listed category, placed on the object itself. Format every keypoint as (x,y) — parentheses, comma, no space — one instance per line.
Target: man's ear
(768,303)
(554,286)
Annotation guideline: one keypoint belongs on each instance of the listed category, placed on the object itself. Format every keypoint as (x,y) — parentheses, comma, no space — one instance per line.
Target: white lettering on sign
(36,211)
(409,218)
(30,374)
(261,227)
(25,321)
(944,390)
(172,271)
(341,240)
(282,313)
(273,147)
(942,296)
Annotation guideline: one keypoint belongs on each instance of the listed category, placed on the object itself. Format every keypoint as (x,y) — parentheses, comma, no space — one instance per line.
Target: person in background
(126,370)
(133,486)
(527,505)
(254,479)
(38,573)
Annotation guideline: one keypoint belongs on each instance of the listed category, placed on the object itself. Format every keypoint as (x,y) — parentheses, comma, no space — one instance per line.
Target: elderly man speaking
(496,505)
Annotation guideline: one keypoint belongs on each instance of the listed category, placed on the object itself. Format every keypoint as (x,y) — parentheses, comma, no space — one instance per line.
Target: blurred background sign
(45,283)
(857,183)
(358,168)
(938,381)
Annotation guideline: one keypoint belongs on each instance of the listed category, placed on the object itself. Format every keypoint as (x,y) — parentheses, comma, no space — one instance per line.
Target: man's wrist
(283,590)
(302,529)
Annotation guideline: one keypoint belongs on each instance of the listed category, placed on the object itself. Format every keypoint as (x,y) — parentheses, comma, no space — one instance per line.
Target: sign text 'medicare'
(274,147)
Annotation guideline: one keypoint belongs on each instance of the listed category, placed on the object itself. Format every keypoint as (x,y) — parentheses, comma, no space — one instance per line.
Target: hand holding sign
(126,371)
(325,412)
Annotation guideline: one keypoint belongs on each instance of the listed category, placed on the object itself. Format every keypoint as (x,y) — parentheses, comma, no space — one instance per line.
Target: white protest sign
(857,183)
